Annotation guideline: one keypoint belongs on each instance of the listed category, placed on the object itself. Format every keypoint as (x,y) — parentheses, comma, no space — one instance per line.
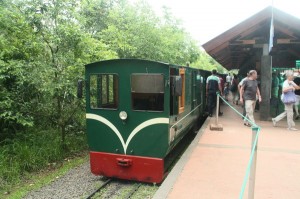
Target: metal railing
(251,167)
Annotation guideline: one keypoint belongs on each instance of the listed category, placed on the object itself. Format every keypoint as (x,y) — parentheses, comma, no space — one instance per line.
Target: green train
(137,111)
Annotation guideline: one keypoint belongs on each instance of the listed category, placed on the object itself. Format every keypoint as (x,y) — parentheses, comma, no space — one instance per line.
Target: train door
(177,91)
(202,79)
(173,98)
(194,90)
(102,110)
(181,97)
(199,88)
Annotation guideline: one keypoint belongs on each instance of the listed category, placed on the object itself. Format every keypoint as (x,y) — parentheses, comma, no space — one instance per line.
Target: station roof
(243,44)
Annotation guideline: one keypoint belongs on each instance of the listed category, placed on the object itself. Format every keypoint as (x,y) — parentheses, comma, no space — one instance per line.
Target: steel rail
(101,187)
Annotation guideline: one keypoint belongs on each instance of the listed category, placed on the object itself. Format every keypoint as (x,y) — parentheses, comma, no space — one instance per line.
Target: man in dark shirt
(248,93)
(297,92)
(213,84)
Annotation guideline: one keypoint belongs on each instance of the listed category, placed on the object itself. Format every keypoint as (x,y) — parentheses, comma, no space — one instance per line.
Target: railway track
(98,189)
(134,190)
(116,186)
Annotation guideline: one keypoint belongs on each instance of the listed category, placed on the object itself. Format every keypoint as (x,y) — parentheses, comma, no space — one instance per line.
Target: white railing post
(253,165)
(217,109)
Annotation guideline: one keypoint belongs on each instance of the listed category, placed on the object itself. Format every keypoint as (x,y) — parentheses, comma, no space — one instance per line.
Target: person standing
(239,91)
(222,82)
(248,93)
(228,79)
(288,85)
(213,85)
(234,89)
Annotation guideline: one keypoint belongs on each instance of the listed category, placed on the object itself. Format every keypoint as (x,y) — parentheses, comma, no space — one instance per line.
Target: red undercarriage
(137,168)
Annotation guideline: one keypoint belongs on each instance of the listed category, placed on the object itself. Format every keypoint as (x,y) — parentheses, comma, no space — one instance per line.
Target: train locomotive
(137,111)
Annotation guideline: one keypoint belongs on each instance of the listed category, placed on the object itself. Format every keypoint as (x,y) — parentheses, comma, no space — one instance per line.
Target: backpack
(213,86)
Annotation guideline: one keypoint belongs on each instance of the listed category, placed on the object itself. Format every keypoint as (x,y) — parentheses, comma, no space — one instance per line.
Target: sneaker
(246,124)
(292,129)
(210,115)
(274,122)
(220,113)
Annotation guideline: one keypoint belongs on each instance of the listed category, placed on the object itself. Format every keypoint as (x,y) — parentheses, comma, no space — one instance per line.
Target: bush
(30,152)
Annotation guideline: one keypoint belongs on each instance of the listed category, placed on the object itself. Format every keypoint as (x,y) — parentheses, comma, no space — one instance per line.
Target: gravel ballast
(79,182)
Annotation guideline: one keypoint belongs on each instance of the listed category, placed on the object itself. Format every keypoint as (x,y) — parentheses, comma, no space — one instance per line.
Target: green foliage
(44,46)
(134,31)
(16,102)
(31,151)
(206,62)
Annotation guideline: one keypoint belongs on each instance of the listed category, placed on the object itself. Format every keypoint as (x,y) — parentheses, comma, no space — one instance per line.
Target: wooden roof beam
(249,42)
(228,64)
(294,52)
(218,48)
(251,30)
(285,31)
(223,58)
(287,41)
(243,42)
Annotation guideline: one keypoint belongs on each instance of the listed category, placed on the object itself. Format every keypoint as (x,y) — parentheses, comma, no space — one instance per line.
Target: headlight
(123,115)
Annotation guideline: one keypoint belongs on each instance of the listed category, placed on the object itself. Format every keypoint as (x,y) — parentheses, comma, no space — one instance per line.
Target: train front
(127,118)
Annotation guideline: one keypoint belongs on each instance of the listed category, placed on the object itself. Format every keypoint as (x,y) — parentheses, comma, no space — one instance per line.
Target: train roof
(133,60)
(125,60)
(144,61)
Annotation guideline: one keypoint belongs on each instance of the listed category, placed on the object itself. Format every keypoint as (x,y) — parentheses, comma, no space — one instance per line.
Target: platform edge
(169,182)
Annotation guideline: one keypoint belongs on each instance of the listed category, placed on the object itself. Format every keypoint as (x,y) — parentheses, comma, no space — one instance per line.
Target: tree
(44,45)
(67,47)
(206,62)
(134,31)
(18,93)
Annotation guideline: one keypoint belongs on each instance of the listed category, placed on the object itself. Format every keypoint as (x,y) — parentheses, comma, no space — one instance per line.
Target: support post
(217,110)
(217,126)
(253,165)
(265,84)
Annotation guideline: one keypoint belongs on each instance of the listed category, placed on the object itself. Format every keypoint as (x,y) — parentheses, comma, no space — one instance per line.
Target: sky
(206,19)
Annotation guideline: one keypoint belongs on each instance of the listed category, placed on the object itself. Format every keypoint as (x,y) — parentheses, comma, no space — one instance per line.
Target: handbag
(288,97)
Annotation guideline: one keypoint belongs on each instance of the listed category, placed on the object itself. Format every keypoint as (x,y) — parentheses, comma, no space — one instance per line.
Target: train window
(104,91)
(147,92)
(178,86)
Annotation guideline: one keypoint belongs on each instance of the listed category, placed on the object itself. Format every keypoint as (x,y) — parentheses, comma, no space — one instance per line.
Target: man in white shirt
(228,79)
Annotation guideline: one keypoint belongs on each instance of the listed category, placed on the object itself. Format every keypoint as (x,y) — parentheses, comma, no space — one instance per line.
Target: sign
(297,63)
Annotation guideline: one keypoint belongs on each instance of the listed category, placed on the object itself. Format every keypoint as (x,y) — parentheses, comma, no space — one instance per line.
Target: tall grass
(34,151)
